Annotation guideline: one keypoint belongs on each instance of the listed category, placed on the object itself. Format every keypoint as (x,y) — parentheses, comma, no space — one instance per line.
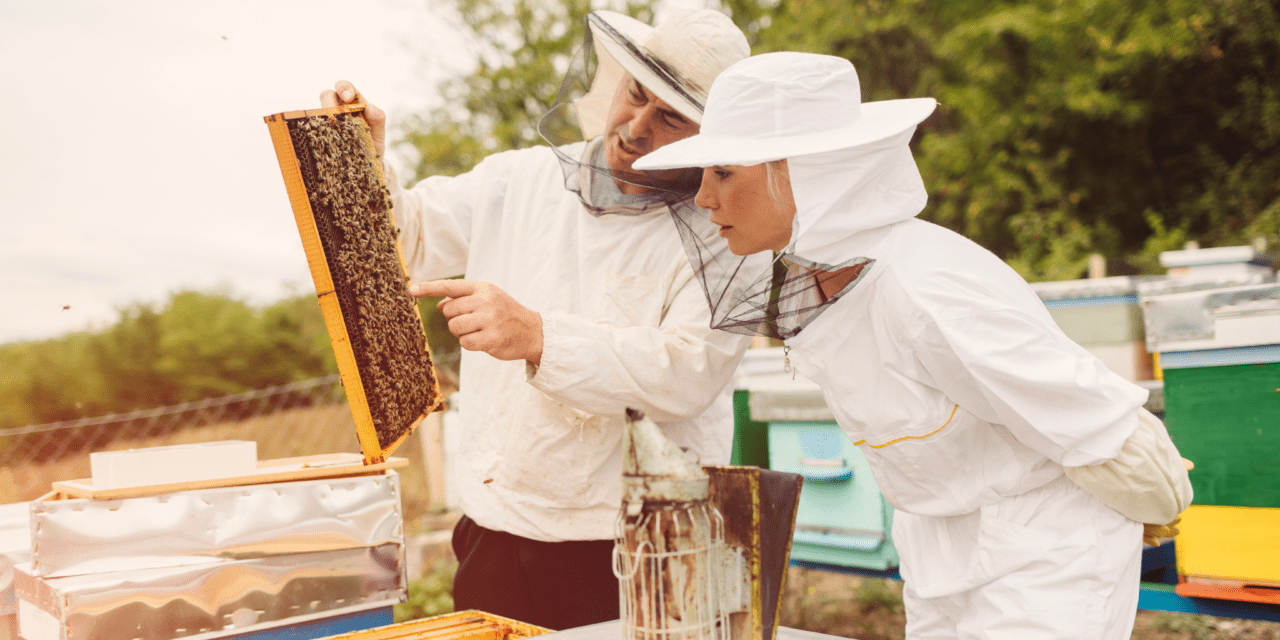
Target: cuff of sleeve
(543,375)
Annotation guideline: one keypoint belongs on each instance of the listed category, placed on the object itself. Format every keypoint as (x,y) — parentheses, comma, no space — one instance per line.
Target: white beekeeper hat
(678,60)
(785,104)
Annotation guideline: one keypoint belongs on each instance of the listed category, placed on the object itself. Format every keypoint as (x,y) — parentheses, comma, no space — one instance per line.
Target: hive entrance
(343,210)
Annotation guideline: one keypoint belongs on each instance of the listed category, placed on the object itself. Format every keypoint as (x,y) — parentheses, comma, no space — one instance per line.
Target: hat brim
(879,120)
(645,75)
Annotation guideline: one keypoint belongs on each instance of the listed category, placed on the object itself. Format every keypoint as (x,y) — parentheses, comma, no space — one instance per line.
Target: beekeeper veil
(676,62)
(851,174)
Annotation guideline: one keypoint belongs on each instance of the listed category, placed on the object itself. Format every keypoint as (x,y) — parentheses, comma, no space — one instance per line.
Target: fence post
(432,431)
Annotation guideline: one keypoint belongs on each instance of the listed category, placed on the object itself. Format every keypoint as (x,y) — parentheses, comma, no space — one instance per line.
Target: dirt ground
(836,604)
(871,609)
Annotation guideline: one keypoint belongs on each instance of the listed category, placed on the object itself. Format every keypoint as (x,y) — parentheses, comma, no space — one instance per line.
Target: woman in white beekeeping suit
(1021,469)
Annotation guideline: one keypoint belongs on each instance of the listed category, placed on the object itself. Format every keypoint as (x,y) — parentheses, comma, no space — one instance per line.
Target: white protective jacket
(947,370)
(625,324)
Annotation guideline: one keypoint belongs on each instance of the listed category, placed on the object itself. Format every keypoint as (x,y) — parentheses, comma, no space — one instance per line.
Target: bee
(66,307)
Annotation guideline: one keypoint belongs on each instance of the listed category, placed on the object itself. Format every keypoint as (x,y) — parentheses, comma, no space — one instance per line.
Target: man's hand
(345,93)
(485,318)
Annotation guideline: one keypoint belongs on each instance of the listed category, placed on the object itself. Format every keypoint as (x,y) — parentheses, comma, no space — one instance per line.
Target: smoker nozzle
(655,469)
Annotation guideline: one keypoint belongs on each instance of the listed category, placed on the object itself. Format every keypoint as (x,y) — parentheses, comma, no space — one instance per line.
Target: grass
(430,595)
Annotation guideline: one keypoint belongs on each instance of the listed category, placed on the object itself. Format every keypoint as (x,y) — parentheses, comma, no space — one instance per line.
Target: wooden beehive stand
(377,441)
(278,470)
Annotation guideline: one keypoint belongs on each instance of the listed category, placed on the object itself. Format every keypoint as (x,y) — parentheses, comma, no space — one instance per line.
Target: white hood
(840,194)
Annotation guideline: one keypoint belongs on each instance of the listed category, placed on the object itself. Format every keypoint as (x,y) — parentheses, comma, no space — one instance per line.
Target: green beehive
(1226,418)
(1220,356)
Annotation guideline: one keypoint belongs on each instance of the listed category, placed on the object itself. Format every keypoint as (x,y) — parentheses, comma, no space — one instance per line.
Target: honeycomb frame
(345,317)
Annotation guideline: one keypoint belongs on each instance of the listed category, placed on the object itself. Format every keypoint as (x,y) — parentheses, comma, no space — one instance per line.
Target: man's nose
(641,125)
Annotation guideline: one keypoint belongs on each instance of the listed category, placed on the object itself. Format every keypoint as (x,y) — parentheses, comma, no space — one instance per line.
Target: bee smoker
(700,552)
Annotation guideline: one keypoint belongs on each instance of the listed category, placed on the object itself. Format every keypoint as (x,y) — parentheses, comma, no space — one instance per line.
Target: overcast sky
(134,160)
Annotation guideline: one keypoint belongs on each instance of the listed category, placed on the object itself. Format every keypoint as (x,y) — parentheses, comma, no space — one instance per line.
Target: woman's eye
(637,98)
(721,173)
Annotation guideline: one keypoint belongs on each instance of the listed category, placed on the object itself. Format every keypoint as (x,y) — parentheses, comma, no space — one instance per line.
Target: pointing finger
(442,289)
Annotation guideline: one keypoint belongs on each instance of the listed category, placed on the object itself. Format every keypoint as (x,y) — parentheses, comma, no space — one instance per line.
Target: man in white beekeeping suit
(578,302)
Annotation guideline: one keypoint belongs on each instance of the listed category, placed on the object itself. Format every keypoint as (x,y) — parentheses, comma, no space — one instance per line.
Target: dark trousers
(557,585)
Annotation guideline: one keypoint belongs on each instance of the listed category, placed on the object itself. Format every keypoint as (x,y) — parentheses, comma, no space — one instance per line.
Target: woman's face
(750,217)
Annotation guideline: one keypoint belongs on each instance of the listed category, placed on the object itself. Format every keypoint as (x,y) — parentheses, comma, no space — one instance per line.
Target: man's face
(639,122)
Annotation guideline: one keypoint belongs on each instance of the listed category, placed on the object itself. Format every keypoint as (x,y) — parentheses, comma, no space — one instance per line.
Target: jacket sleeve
(435,215)
(1008,367)
(673,371)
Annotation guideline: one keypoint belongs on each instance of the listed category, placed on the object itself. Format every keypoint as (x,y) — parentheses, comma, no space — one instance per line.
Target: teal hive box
(842,520)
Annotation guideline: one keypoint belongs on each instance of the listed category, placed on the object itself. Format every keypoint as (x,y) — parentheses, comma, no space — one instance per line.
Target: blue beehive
(843,520)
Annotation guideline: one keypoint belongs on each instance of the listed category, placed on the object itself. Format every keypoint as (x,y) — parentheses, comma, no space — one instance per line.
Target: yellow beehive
(343,211)
(460,625)
(1230,552)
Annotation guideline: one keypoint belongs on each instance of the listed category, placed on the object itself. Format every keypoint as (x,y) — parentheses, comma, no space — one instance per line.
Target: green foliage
(526,46)
(195,346)
(1066,127)
(876,594)
(430,595)
(1073,126)
(445,350)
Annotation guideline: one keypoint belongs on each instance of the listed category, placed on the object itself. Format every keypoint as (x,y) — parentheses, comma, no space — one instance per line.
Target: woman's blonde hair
(778,178)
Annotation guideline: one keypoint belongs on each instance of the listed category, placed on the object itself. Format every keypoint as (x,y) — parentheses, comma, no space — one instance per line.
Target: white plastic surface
(176,463)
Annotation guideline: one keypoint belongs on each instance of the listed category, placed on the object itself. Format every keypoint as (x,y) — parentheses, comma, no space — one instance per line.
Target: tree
(1066,127)
(1073,126)
(197,345)
(526,46)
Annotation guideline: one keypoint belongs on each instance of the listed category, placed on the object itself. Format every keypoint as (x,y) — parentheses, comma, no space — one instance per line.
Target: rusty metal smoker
(670,554)
(700,552)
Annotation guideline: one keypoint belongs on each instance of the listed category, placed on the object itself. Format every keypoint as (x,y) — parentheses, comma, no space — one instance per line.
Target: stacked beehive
(212,563)
(1219,354)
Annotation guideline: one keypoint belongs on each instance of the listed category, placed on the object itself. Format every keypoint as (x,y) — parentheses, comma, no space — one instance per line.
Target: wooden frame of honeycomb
(343,210)
(459,625)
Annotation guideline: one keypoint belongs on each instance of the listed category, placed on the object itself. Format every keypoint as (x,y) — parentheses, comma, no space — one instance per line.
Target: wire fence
(297,419)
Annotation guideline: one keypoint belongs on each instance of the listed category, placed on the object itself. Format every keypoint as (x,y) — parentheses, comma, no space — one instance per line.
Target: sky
(134,159)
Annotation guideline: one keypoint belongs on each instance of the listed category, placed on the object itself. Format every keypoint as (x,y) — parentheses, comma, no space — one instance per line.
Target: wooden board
(332,465)
(460,625)
(1229,590)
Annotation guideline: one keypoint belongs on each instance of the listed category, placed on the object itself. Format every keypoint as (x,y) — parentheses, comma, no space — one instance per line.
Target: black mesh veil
(769,294)
(772,295)
(574,128)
